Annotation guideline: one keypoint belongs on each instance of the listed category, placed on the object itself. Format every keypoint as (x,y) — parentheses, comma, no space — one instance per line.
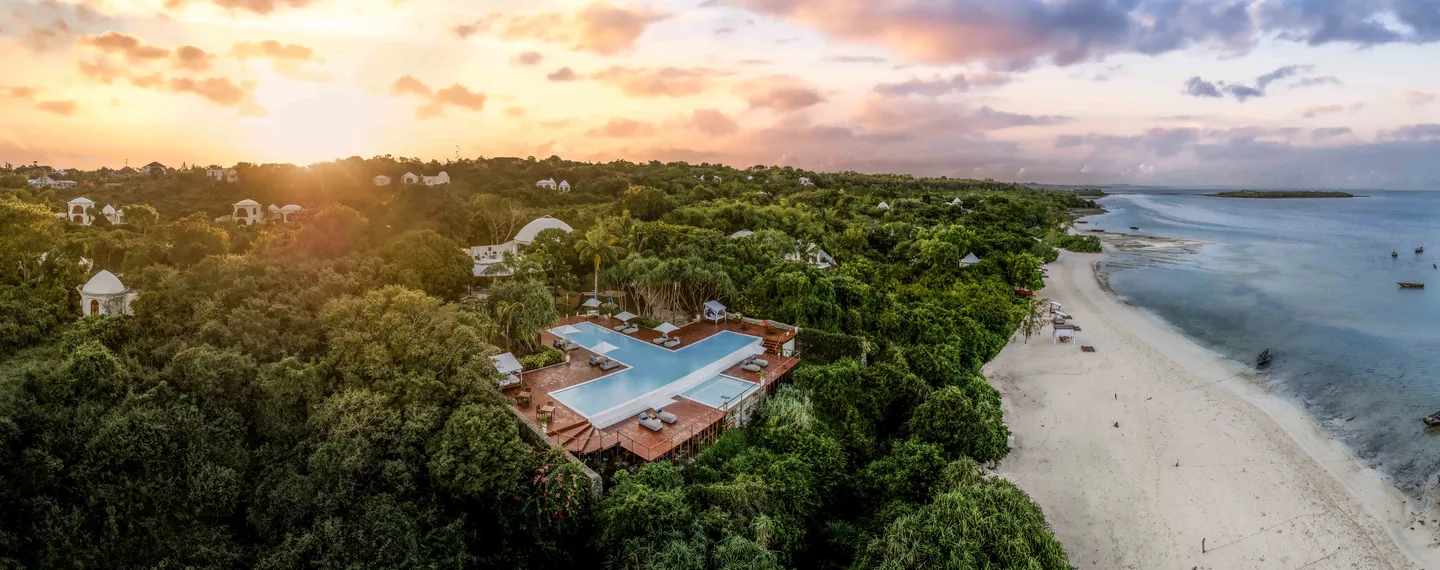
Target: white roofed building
(883,205)
(804,181)
(114,215)
(813,255)
(409,178)
(45,181)
(436,180)
(548,184)
(78,210)
(969,260)
(222,175)
(564,185)
(289,210)
(527,234)
(104,294)
(247,212)
(382,180)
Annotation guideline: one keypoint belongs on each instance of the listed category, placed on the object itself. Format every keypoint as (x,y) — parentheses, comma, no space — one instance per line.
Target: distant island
(1281,194)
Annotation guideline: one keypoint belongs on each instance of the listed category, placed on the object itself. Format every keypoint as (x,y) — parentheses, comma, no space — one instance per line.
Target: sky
(1264,93)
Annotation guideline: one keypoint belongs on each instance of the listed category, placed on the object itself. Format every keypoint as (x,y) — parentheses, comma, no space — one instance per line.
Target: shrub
(547,357)
(820,346)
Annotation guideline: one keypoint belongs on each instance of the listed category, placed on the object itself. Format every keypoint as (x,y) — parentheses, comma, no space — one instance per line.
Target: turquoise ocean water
(1314,280)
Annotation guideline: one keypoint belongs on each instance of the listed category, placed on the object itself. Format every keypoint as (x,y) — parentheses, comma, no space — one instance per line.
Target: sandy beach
(1202,454)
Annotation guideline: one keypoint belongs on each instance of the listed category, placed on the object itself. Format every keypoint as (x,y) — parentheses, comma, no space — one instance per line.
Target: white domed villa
(488,257)
(104,294)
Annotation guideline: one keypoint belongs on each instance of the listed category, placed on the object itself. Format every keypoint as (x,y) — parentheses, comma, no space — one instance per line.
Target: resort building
(436,180)
(812,254)
(883,205)
(154,168)
(45,181)
(654,394)
(548,184)
(564,186)
(247,212)
(289,210)
(78,210)
(104,294)
(488,257)
(222,175)
(115,216)
(409,178)
(382,180)
(741,234)
(806,181)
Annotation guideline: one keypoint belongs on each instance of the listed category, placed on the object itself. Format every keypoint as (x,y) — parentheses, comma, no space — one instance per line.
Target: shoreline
(1202,452)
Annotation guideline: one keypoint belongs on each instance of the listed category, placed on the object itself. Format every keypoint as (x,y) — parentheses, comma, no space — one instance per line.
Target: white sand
(1257,479)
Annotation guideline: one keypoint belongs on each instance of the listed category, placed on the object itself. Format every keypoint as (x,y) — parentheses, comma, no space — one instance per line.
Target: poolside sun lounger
(632,330)
(761,362)
(619,327)
(650,423)
(610,365)
(598,360)
(660,340)
(748,367)
(672,343)
(666,417)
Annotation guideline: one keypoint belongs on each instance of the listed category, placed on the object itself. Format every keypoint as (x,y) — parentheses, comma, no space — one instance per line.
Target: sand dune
(1202,453)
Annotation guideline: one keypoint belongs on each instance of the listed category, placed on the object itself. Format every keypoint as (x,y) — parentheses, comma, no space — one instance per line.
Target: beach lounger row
(605,362)
(667,342)
(627,329)
(565,345)
(754,364)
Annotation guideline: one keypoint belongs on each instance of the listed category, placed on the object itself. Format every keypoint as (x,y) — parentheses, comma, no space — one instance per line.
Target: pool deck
(569,429)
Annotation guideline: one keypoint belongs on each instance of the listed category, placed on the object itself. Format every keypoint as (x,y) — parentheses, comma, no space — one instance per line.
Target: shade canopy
(666,328)
(568,329)
(1055,304)
(603,348)
(591,302)
(506,363)
(970,259)
(626,316)
(714,306)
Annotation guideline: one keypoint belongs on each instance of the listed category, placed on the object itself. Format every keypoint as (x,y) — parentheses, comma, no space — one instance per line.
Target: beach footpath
(1155,453)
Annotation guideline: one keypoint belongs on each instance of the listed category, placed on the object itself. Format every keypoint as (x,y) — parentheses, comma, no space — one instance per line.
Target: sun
(310,122)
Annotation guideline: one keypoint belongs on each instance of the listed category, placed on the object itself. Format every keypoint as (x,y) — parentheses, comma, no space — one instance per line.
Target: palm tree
(599,245)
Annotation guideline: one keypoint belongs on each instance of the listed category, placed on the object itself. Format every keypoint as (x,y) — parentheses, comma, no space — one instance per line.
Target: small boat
(1394,254)
(1419,249)
(1097,231)
(1134,228)
(1264,359)
(1404,285)
(1432,419)
(1081,222)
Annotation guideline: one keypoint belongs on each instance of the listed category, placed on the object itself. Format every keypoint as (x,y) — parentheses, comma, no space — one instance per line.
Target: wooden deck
(697,423)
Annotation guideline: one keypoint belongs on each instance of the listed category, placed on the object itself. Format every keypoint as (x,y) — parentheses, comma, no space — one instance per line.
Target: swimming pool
(652,369)
(721,392)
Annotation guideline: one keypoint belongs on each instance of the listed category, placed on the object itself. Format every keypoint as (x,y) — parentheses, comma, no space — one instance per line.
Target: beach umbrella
(666,328)
(591,302)
(603,348)
(625,317)
(568,329)
(608,305)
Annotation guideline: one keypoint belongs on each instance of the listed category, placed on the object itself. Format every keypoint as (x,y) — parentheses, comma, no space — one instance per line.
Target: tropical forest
(320,393)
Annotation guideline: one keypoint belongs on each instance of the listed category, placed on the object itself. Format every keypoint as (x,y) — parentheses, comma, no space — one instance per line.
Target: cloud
(713,123)
(621,129)
(218,90)
(257,6)
(65,108)
(527,59)
(1016,34)
(1244,93)
(599,27)
(563,74)
(192,58)
(514,112)
(1288,71)
(1197,87)
(107,73)
(938,86)
(17,92)
(657,82)
(781,93)
(889,115)
(1418,98)
(1421,132)
(273,50)
(1316,81)
(1321,110)
(855,59)
(408,85)
(131,47)
(456,95)
(1329,132)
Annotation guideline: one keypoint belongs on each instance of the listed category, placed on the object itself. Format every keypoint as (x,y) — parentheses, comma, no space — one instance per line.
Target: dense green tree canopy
(319,393)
